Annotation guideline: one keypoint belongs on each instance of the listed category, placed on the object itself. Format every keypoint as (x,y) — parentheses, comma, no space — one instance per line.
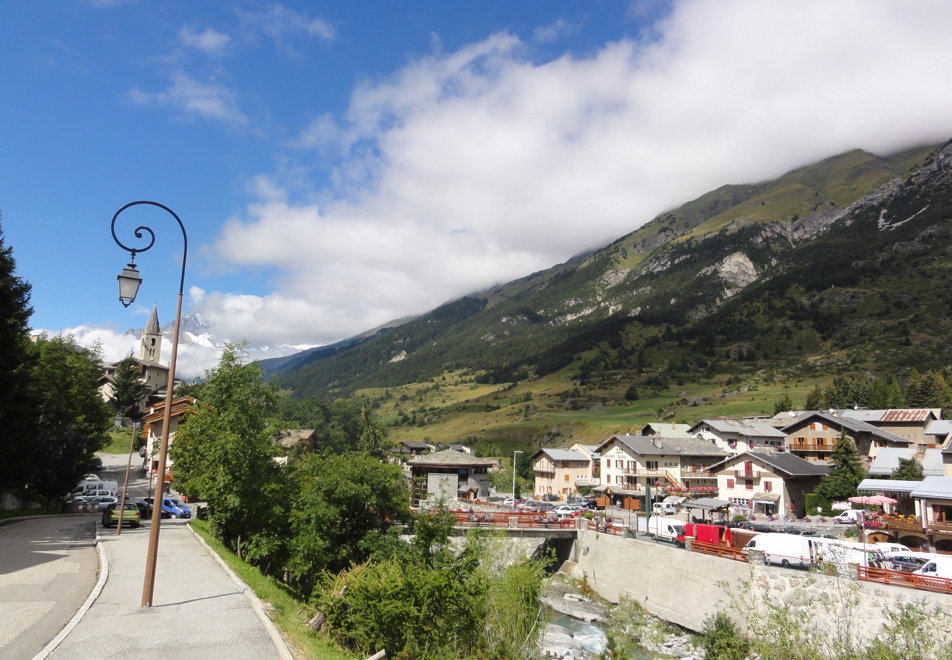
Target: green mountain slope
(840,266)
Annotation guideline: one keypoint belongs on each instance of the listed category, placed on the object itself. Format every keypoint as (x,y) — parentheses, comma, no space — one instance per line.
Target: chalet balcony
(812,446)
(544,469)
(747,474)
(940,528)
(906,524)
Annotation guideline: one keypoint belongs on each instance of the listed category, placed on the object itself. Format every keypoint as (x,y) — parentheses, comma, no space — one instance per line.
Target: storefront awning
(706,504)
(766,498)
(677,499)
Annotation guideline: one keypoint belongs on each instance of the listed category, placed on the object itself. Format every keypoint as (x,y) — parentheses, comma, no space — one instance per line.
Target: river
(590,635)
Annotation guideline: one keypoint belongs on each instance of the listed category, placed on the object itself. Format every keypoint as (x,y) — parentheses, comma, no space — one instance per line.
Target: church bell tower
(151,345)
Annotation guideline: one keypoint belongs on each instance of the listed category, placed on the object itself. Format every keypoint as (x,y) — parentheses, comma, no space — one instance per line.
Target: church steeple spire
(151,346)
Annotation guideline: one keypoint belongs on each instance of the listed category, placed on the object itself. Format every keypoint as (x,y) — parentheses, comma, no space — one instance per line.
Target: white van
(665,529)
(937,566)
(849,517)
(664,508)
(783,549)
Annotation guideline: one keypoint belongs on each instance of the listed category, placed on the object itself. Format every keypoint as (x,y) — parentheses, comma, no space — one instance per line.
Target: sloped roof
(692,446)
(562,454)
(890,415)
(934,487)
(887,486)
(644,445)
(887,460)
(850,423)
(449,458)
(667,430)
(785,462)
(746,429)
(939,427)
(293,436)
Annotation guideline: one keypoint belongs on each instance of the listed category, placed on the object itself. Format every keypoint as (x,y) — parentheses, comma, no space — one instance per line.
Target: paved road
(48,566)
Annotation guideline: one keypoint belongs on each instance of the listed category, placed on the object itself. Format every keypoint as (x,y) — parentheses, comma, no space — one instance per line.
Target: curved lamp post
(129,281)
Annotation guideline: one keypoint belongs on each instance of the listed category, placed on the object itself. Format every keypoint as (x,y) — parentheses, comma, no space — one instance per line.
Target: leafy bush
(722,640)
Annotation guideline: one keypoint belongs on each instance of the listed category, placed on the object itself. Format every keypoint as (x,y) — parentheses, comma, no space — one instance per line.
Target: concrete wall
(11,502)
(685,587)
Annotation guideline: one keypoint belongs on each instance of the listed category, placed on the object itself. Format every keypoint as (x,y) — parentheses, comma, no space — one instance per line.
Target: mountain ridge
(677,269)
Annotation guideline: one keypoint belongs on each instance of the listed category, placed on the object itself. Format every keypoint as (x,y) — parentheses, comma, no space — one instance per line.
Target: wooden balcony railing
(811,446)
(940,528)
(747,474)
(903,525)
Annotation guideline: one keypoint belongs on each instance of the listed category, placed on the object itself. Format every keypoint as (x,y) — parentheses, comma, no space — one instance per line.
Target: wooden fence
(718,550)
(905,579)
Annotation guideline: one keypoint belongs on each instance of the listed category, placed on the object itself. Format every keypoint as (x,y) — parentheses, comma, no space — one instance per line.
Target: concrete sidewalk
(200,610)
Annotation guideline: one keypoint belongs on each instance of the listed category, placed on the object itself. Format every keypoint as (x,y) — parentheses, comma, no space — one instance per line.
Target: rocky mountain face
(827,260)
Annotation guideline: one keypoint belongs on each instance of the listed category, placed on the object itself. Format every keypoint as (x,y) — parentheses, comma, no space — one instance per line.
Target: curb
(269,625)
(93,595)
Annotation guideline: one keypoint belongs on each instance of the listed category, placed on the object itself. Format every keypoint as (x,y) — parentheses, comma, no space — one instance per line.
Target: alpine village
(727,434)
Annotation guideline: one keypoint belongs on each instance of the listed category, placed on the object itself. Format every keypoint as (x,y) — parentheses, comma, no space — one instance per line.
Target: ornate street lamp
(129,281)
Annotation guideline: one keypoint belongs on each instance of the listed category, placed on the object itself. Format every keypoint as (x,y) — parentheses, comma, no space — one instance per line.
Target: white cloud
(554,31)
(208,41)
(205,100)
(282,24)
(474,167)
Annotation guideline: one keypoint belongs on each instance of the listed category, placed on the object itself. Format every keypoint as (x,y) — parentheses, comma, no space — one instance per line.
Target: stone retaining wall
(686,587)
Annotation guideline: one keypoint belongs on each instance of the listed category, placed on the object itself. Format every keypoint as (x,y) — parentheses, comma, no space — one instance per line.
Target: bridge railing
(505,519)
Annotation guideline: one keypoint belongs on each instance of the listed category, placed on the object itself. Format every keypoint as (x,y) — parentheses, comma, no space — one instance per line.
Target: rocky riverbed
(628,623)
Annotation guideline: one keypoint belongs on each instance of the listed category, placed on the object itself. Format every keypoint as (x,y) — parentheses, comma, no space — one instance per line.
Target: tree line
(327,524)
(51,413)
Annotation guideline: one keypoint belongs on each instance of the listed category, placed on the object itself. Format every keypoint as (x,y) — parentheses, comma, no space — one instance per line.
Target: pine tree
(17,412)
(909,469)
(814,398)
(846,471)
(783,404)
(128,390)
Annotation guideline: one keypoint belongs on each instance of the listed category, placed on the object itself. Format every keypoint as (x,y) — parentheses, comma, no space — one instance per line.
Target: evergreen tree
(17,412)
(783,404)
(814,398)
(909,469)
(846,471)
(631,394)
(128,390)
(927,391)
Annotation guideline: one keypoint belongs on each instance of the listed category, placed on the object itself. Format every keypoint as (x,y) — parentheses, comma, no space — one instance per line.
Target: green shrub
(722,640)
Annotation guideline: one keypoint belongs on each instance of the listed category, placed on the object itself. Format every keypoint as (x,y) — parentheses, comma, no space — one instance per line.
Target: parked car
(102,501)
(550,497)
(905,561)
(130,514)
(511,501)
(568,510)
(172,508)
(145,508)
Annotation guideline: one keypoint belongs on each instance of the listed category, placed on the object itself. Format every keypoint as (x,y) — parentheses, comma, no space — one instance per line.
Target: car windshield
(130,507)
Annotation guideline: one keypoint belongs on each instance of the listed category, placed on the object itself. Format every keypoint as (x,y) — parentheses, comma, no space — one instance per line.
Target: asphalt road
(48,567)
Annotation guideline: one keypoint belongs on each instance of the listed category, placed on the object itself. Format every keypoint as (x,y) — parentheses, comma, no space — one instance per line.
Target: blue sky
(338,165)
